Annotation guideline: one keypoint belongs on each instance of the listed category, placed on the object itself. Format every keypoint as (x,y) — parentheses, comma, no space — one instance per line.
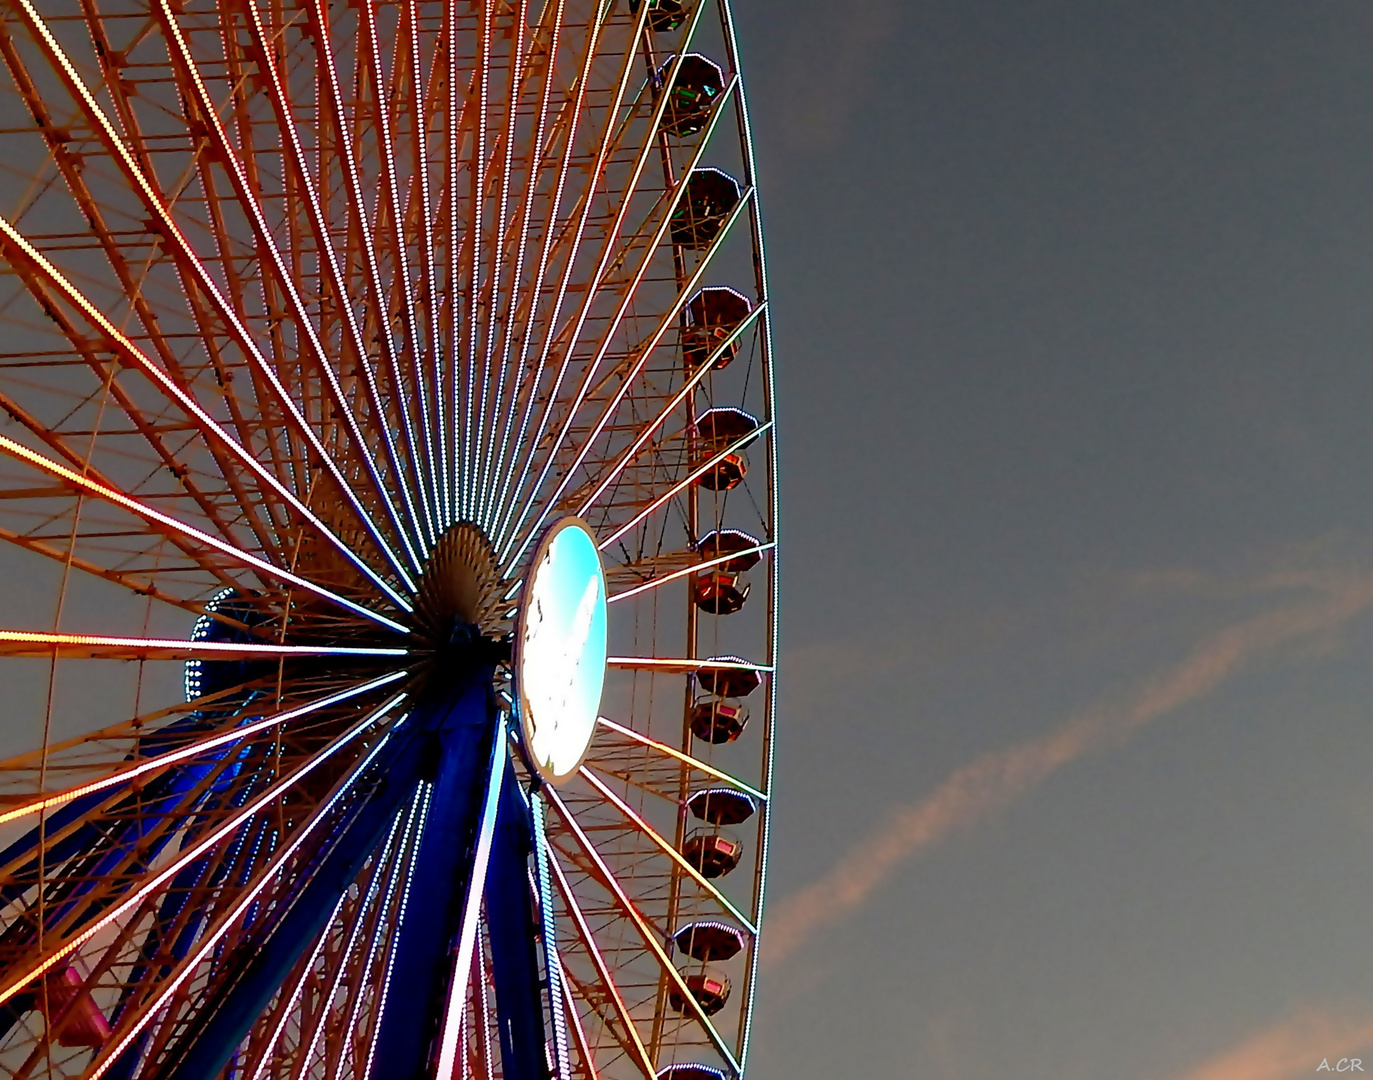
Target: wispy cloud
(1293,1047)
(996,779)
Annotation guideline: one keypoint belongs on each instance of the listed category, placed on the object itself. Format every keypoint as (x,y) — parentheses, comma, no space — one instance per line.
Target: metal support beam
(227,1021)
(422,963)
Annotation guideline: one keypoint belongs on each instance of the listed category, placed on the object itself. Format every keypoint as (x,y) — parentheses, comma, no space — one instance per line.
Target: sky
(1073,306)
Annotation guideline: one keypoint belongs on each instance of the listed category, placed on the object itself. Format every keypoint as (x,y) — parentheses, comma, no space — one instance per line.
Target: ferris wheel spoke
(646,932)
(630,286)
(569,471)
(572,332)
(395,217)
(481,293)
(695,568)
(353,918)
(40,278)
(199,765)
(343,146)
(626,1032)
(584,1052)
(666,847)
(123,157)
(650,427)
(135,583)
(680,486)
(375,971)
(501,231)
(682,665)
(71,861)
(97,647)
(249,202)
(294,153)
(685,758)
(239,732)
(582,213)
(260,1055)
(178,531)
(458,120)
(419,96)
(531,168)
(535,292)
(451,1023)
(59,944)
(157,994)
(21,253)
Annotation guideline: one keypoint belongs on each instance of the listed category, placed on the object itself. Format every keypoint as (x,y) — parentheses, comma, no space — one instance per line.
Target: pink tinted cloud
(993,781)
(1294,1047)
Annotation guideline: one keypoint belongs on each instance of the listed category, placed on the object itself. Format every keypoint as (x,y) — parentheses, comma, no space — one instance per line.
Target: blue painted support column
(514,938)
(510,918)
(422,960)
(225,1023)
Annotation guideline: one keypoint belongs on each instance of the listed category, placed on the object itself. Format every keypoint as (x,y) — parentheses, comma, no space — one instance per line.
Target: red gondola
(718,720)
(713,314)
(710,990)
(713,854)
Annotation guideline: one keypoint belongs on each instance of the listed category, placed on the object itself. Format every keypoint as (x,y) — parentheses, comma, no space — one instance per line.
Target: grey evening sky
(1074,316)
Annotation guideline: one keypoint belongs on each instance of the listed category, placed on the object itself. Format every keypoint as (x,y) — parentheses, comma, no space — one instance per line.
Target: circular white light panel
(560,648)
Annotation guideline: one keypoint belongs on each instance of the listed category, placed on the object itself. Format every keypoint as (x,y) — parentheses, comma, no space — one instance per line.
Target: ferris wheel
(387,627)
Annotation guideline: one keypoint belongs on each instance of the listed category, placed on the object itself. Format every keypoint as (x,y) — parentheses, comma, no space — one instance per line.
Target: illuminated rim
(527,670)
